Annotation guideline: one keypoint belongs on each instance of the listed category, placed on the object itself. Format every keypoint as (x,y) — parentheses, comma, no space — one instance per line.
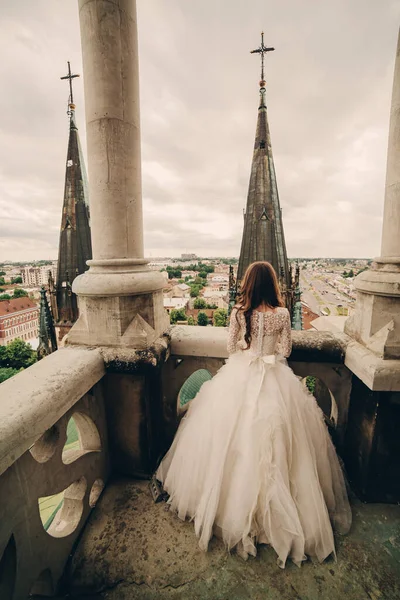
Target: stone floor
(132,548)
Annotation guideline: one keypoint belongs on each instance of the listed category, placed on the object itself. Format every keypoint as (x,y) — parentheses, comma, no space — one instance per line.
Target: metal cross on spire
(70,77)
(262,50)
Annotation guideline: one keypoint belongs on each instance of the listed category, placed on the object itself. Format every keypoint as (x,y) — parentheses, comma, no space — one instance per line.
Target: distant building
(191,274)
(19,318)
(175,303)
(218,298)
(11,272)
(182,290)
(37,276)
(158,265)
(218,278)
(188,256)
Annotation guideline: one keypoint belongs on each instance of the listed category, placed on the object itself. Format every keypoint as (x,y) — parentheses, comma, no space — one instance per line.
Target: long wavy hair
(259,286)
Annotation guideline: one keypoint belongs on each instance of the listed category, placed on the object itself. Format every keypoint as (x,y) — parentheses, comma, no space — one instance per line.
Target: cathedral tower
(75,246)
(263,237)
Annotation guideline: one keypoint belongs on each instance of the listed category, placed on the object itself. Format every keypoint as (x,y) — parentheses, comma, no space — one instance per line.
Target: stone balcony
(77,516)
(125,406)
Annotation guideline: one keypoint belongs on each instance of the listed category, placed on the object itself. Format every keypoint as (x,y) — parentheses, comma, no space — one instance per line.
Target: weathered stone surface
(319,346)
(376,320)
(120,298)
(37,548)
(32,401)
(308,346)
(372,447)
(133,548)
(378,374)
(199,341)
(129,360)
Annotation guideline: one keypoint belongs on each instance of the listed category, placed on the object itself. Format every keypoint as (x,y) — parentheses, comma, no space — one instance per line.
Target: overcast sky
(328,91)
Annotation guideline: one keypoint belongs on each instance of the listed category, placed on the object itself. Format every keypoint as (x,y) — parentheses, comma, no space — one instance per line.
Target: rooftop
(15,305)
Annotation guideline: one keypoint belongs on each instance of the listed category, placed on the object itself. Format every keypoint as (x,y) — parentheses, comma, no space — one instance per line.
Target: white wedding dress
(252,460)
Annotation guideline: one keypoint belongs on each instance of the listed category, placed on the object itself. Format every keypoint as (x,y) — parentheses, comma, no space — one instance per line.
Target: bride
(252,460)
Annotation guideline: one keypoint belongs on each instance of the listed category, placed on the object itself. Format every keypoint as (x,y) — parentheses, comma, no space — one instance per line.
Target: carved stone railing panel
(39,466)
(337,378)
(316,354)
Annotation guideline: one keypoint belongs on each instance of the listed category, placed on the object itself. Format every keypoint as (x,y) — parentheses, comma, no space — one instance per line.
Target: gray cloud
(328,89)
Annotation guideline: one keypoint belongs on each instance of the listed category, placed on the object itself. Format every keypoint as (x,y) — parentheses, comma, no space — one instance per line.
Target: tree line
(15,357)
(17,293)
(220,317)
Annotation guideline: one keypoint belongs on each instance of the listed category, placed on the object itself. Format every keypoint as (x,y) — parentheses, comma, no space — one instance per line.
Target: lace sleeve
(285,337)
(233,332)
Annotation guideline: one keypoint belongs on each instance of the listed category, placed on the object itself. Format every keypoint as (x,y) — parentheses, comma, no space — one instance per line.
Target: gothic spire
(263,237)
(75,242)
(47,335)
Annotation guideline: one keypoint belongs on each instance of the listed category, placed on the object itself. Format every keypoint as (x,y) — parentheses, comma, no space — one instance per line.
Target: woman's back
(270,332)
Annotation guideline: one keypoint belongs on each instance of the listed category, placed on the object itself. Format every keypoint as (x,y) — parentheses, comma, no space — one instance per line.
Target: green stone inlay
(50,505)
(192,385)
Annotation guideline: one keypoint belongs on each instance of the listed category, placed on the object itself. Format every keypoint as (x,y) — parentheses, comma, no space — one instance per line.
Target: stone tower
(75,246)
(263,237)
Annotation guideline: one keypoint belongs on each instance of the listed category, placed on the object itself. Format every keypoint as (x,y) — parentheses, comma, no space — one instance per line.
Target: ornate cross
(70,77)
(261,50)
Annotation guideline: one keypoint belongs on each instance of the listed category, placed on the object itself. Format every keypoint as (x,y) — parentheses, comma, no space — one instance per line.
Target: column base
(376,320)
(120,304)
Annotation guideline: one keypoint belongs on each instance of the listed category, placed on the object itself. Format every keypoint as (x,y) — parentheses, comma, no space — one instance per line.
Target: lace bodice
(270,332)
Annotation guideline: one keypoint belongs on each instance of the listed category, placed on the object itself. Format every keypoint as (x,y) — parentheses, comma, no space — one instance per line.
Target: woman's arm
(285,337)
(233,332)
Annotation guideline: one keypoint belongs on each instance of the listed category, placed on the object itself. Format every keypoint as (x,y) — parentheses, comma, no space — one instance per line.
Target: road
(320,295)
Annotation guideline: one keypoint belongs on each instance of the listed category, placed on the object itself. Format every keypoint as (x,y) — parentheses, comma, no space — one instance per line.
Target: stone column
(120,299)
(376,321)
(391,216)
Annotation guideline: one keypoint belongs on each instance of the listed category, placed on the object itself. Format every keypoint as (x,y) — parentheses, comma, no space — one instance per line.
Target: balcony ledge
(36,398)
(308,346)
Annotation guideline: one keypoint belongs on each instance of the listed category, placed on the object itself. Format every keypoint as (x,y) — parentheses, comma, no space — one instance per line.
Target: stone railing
(357,391)
(318,355)
(48,485)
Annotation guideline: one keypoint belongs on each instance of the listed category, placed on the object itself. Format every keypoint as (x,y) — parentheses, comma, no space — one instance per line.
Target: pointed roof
(75,242)
(263,237)
(47,336)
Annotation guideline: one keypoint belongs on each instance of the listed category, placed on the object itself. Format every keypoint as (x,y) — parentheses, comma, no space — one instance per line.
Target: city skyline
(328,96)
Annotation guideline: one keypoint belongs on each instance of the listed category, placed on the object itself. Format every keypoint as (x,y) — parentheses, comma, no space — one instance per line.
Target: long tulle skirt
(253,462)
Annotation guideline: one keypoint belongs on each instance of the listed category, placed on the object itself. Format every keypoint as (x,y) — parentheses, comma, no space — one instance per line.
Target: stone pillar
(120,299)
(391,216)
(373,356)
(376,320)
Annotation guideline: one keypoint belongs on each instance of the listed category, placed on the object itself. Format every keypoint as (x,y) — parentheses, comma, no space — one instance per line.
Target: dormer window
(262,144)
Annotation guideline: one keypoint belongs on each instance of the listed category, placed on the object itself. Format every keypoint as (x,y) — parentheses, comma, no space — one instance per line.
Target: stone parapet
(357,391)
(310,346)
(316,354)
(375,372)
(32,401)
(53,467)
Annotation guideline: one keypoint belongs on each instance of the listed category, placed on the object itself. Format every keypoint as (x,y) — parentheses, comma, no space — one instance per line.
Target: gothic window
(262,144)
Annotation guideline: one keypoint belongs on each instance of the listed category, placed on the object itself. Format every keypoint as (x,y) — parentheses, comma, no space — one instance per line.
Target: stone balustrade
(319,355)
(358,393)
(48,487)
